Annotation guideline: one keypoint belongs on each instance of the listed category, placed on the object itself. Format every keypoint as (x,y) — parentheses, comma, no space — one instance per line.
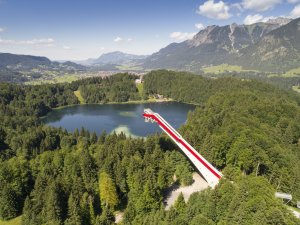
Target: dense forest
(279,80)
(247,129)
(117,88)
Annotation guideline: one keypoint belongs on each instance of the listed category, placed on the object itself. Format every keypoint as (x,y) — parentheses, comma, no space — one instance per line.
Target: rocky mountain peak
(203,37)
(264,45)
(279,21)
(233,25)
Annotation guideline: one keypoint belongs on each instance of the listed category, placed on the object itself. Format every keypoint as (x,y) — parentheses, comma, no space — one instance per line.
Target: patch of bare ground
(174,191)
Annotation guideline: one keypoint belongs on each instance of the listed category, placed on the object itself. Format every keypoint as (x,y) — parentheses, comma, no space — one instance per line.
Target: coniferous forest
(248,129)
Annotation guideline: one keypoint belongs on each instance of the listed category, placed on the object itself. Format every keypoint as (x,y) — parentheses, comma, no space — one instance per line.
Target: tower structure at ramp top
(210,173)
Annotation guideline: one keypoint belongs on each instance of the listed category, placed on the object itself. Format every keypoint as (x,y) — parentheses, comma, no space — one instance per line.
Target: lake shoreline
(116,103)
(126,117)
(125,103)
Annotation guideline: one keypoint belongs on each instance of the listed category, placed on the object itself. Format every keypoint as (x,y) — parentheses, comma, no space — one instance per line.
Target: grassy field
(292,73)
(224,68)
(129,67)
(15,221)
(296,88)
(54,80)
(140,88)
(79,96)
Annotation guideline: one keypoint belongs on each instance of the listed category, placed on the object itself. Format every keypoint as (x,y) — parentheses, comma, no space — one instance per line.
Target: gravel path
(198,185)
(119,217)
(297,214)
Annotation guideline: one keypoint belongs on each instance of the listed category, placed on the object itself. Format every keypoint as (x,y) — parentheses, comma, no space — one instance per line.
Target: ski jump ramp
(210,173)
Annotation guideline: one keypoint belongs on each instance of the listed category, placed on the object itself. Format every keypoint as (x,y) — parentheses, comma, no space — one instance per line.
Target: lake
(126,118)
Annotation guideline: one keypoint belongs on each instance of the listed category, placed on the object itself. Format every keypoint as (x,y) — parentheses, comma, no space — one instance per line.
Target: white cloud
(2,29)
(295,13)
(118,39)
(218,10)
(250,19)
(200,26)
(260,5)
(44,41)
(66,47)
(180,36)
(237,6)
(37,41)
(293,1)
(5,41)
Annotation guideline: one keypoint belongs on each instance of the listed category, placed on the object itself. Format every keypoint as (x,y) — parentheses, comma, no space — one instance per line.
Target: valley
(256,48)
(149,112)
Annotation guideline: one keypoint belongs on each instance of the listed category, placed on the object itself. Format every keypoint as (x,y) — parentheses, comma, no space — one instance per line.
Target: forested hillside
(247,129)
(244,125)
(117,88)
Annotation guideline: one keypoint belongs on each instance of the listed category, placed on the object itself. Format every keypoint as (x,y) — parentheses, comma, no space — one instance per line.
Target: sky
(81,29)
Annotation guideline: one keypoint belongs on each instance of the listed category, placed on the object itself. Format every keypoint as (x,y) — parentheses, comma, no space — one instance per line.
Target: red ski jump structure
(210,174)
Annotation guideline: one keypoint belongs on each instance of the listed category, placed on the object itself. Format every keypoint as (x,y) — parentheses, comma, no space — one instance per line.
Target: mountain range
(272,46)
(20,68)
(114,58)
(259,46)
(278,50)
(28,62)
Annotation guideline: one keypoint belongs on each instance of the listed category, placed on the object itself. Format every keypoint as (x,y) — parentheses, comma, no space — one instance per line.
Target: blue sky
(78,29)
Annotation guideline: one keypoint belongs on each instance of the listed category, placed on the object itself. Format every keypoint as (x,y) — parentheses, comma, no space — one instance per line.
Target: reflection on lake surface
(126,118)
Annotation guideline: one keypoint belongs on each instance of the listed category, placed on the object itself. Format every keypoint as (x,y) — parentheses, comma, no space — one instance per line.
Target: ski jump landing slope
(210,173)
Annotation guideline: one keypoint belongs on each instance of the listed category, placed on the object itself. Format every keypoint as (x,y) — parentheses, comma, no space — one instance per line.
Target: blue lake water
(118,118)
